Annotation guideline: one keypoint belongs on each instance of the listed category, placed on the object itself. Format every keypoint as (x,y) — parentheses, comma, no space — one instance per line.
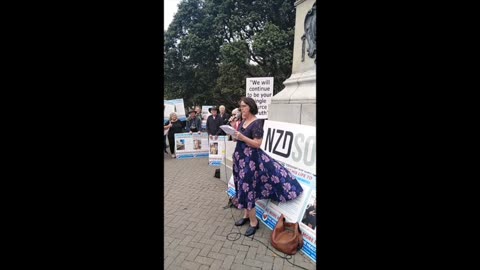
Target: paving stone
(240,247)
(216,255)
(267,266)
(183,248)
(168,261)
(252,252)
(195,245)
(191,256)
(277,263)
(228,251)
(240,257)
(254,263)
(228,262)
(217,246)
(237,266)
(191,265)
(196,237)
(217,264)
(205,250)
(204,260)
(180,258)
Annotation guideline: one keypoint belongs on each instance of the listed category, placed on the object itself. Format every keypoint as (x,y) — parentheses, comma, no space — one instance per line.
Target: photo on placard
(310,215)
(181,144)
(197,144)
(214,148)
(274,202)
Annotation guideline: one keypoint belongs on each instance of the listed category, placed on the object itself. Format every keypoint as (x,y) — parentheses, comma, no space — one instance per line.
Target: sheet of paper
(228,129)
(165,132)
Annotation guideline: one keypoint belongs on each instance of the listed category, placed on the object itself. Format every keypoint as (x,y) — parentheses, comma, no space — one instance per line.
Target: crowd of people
(218,117)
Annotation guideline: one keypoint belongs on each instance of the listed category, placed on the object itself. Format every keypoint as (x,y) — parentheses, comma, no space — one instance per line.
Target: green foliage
(212,46)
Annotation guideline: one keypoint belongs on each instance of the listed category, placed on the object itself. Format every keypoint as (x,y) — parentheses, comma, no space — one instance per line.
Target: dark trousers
(171,143)
(164,143)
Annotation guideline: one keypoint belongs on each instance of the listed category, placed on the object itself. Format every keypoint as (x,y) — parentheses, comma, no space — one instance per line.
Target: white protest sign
(217,151)
(174,105)
(191,145)
(261,90)
(169,108)
(292,144)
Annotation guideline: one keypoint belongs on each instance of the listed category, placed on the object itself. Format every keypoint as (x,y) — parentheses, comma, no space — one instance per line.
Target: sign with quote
(261,90)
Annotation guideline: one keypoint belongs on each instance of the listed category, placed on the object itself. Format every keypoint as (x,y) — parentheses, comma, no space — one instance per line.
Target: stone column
(296,102)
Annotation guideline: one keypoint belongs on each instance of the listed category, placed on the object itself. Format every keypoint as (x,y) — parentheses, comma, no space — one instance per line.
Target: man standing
(223,115)
(193,123)
(214,122)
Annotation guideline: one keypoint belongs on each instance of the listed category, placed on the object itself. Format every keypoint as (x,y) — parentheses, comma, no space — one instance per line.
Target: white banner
(261,90)
(217,151)
(191,145)
(291,143)
(174,105)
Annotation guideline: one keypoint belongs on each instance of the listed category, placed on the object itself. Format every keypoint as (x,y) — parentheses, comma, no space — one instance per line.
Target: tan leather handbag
(287,237)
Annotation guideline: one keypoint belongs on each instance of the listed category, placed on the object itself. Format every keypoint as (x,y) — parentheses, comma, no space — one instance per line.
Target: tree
(212,46)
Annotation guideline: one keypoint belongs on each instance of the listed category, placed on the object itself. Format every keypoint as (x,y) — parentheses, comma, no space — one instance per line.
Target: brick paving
(196,225)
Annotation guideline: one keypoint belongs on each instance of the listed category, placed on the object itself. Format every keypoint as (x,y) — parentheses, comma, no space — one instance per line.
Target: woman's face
(245,109)
(174,117)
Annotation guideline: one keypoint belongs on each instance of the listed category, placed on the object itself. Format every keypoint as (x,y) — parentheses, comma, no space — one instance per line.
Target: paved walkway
(196,225)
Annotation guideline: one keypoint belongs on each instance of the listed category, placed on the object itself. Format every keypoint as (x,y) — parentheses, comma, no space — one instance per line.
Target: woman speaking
(256,175)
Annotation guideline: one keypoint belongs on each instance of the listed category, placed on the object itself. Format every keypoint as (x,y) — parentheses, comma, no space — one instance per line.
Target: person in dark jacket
(194,123)
(214,122)
(225,116)
(176,126)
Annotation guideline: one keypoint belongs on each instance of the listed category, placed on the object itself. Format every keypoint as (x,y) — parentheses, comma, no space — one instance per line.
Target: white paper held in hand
(228,129)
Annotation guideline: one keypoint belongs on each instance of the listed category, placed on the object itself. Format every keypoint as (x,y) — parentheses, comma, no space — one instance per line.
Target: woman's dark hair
(251,103)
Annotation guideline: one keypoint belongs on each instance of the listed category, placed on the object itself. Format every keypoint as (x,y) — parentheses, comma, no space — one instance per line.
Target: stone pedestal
(296,102)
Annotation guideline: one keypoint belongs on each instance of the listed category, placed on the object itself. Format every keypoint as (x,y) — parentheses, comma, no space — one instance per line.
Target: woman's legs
(253,218)
(171,143)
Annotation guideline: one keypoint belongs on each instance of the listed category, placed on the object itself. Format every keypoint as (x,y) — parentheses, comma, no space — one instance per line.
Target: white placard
(261,90)
(191,145)
(291,143)
(174,105)
(228,129)
(216,151)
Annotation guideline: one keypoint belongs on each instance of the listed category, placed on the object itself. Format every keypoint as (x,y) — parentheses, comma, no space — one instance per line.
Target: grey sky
(170,8)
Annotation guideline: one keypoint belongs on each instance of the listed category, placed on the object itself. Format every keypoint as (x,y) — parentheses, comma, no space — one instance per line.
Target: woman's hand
(238,136)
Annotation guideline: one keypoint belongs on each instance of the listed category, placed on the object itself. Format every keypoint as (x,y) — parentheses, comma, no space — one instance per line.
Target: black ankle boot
(242,221)
(251,230)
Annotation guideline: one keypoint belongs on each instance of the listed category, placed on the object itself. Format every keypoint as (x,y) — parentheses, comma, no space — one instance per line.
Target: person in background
(223,115)
(235,119)
(165,127)
(193,123)
(213,123)
(255,174)
(176,126)
(198,111)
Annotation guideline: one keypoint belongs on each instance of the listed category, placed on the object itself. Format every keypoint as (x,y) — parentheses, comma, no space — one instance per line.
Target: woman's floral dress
(258,176)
